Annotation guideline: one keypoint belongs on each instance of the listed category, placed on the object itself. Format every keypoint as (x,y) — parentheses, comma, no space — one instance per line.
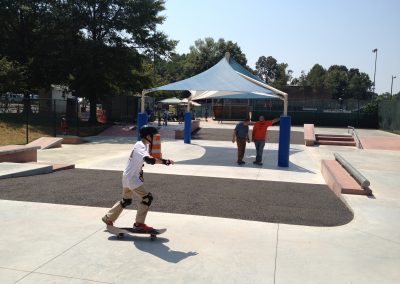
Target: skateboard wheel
(153,237)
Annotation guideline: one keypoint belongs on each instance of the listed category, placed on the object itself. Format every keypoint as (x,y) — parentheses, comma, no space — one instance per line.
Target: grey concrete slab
(366,250)
(35,278)
(36,233)
(201,158)
(195,249)
(10,170)
(335,255)
(10,276)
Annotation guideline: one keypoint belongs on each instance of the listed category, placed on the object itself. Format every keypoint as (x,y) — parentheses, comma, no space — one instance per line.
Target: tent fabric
(171,101)
(185,102)
(244,96)
(199,95)
(221,77)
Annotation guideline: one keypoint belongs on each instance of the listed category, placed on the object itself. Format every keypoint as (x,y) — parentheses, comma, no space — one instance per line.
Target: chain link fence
(389,115)
(24,120)
(334,113)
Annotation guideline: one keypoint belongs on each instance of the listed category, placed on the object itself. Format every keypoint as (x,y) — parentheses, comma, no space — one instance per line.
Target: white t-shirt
(132,176)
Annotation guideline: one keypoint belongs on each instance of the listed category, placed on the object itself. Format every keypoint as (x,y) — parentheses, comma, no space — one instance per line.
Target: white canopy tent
(225,78)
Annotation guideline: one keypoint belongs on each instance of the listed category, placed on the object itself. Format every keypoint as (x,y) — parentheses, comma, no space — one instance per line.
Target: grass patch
(13,129)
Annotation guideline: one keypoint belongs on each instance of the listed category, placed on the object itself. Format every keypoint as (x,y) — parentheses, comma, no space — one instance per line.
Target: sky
(299,33)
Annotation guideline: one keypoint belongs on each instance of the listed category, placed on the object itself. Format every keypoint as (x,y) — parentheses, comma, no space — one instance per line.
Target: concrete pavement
(47,243)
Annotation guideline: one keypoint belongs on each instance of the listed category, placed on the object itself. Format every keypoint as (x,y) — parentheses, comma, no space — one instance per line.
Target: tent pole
(142,102)
(285,105)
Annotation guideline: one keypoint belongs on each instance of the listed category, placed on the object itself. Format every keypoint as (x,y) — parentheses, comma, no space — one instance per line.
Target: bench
(309,134)
(18,153)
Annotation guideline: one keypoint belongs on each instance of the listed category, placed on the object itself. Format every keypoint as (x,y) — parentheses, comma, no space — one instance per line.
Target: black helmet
(147,130)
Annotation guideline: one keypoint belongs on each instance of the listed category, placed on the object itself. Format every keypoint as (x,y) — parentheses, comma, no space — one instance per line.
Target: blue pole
(187,133)
(284,141)
(142,120)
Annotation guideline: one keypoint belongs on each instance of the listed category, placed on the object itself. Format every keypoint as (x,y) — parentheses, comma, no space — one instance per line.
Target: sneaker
(241,162)
(142,227)
(107,221)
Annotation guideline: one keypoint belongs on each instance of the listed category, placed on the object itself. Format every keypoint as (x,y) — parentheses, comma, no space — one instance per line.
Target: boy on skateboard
(132,181)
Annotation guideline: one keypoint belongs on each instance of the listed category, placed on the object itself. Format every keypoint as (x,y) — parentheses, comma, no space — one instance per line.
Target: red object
(64,125)
(260,129)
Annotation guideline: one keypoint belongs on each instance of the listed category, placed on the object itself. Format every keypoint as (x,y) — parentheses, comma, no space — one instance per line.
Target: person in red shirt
(259,136)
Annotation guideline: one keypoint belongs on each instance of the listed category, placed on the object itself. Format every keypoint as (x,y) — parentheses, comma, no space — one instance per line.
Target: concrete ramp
(9,170)
(47,142)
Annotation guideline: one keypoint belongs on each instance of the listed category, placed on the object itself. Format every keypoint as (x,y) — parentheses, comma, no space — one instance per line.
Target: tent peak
(227,55)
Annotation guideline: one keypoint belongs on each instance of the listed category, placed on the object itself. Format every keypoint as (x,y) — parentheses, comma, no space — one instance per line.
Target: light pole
(391,87)
(376,57)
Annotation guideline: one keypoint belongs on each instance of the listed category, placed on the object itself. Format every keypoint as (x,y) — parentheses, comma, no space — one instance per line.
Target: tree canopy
(103,47)
(96,47)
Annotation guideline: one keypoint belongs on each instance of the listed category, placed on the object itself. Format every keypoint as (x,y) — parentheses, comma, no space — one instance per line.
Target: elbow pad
(149,160)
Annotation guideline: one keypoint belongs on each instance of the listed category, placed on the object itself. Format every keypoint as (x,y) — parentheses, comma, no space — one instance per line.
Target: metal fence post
(27,119)
(77,117)
(54,117)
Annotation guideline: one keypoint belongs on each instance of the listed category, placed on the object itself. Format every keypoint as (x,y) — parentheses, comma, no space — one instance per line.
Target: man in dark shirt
(240,136)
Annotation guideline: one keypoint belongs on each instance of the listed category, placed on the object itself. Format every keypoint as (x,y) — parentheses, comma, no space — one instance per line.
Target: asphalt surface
(296,137)
(266,201)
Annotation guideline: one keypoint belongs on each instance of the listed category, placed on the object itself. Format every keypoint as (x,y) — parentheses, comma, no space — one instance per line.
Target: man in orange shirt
(259,136)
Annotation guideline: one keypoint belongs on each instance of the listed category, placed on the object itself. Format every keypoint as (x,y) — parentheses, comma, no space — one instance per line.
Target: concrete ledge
(339,180)
(47,142)
(18,153)
(72,139)
(58,167)
(12,170)
(179,133)
(309,134)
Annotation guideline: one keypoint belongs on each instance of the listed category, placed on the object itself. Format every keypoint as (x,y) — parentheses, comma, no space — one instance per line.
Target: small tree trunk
(93,110)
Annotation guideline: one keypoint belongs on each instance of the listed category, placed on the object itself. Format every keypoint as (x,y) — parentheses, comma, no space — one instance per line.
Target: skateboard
(120,232)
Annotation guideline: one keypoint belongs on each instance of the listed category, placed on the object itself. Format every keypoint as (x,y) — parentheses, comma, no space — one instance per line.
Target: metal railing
(355,135)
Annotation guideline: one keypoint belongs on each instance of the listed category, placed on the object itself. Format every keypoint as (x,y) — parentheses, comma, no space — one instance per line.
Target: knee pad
(126,202)
(147,199)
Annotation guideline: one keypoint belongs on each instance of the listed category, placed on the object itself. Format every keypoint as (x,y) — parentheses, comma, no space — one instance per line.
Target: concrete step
(334,137)
(336,143)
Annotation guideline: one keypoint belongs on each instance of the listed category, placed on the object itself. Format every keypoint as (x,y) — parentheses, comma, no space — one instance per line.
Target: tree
(336,81)
(12,76)
(316,78)
(107,60)
(359,84)
(282,76)
(206,53)
(267,68)
(89,45)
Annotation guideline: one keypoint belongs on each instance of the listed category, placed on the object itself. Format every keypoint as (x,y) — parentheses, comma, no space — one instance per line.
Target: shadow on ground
(157,248)
(296,137)
(215,156)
